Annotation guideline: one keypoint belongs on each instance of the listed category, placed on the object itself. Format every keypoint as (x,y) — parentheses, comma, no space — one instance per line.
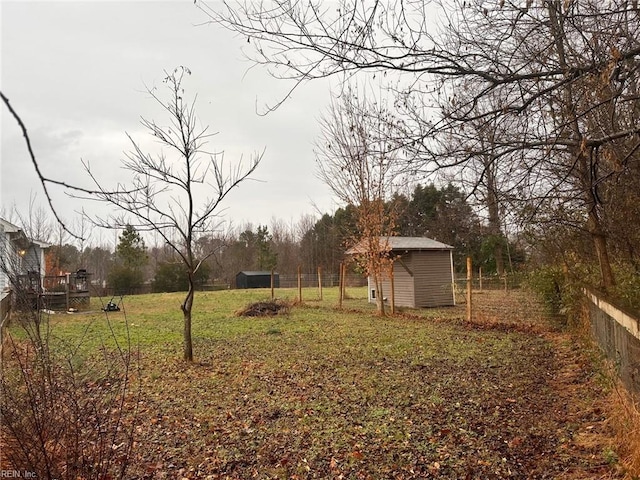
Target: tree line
(443,213)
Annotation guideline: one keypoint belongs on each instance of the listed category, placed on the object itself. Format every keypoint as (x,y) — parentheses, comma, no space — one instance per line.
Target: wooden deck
(64,300)
(59,292)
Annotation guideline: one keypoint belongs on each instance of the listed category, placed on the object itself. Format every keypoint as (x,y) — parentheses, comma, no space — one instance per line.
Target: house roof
(406,243)
(19,236)
(14,233)
(8,226)
(40,244)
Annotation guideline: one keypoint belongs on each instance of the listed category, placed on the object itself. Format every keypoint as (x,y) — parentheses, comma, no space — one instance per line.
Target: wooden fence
(617,332)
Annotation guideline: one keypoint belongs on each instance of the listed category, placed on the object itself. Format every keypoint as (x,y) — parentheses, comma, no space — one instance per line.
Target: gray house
(422,273)
(19,255)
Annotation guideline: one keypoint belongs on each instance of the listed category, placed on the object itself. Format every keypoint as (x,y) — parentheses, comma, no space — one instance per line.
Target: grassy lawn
(329,393)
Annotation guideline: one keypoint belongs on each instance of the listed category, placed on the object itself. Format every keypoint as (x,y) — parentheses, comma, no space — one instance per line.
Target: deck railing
(57,292)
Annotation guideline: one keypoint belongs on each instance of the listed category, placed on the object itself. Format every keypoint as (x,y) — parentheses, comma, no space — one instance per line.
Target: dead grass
(620,406)
(342,393)
(624,416)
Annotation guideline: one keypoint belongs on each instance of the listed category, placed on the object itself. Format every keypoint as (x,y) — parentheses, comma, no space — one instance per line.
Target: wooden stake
(340,285)
(480,277)
(272,284)
(300,283)
(344,281)
(320,282)
(469,286)
(66,291)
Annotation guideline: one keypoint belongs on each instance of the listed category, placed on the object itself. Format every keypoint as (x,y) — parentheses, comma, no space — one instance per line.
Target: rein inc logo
(17,474)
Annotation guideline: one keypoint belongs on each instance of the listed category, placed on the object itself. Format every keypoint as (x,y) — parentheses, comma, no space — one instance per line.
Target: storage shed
(422,273)
(256,279)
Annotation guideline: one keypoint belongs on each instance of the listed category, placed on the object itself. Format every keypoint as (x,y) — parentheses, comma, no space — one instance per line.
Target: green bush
(549,282)
(125,280)
(627,290)
(172,277)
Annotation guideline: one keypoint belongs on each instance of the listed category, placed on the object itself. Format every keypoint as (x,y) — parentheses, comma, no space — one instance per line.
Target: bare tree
(538,128)
(178,192)
(550,72)
(356,160)
(489,177)
(285,244)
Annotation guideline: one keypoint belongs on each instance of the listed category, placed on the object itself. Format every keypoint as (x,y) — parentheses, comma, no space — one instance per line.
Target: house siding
(18,254)
(432,278)
(4,244)
(33,260)
(10,261)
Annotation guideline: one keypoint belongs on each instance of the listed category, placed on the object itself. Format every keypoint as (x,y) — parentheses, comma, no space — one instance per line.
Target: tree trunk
(379,294)
(187,307)
(586,170)
(493,207)
(602,252)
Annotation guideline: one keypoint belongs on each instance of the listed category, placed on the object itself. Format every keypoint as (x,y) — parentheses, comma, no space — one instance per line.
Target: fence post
(300,283)
(469,286)
(480,277)
(5,313)
(340,284)
(320,282)
(272,283)
(67,292)
(344,281)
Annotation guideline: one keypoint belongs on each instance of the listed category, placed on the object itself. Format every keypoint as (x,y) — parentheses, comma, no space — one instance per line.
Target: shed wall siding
(403,284)
(432,277)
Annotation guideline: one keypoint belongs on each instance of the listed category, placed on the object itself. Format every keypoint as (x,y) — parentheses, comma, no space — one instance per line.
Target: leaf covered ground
(328,393)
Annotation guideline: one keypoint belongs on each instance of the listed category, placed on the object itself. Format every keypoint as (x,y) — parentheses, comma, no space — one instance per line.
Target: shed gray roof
(416,243)
(407,243)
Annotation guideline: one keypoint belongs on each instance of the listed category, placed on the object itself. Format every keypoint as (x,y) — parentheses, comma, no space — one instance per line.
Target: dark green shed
(256,279)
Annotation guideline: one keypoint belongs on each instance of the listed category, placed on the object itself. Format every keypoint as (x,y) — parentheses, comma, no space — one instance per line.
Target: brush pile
(265,309)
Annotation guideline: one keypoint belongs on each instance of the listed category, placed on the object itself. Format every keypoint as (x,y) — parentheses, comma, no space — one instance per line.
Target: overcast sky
(76,74)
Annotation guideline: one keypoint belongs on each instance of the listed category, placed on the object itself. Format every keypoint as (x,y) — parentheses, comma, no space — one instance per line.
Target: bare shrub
(66,412)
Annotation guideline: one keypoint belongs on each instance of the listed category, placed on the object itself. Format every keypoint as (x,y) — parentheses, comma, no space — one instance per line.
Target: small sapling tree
(356,160)
(177,192)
